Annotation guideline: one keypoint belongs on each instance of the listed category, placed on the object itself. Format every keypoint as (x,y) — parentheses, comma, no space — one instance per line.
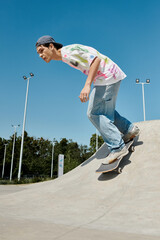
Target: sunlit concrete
(86,205)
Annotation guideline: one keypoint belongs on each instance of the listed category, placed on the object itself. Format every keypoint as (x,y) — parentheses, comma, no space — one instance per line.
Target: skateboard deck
(114,166)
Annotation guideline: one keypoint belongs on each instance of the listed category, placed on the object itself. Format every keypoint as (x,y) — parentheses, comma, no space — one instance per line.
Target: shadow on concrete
(102,153)
(125,161)
(113,174)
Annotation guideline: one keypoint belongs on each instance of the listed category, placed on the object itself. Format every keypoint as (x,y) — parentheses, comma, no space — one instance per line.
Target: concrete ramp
(84,205)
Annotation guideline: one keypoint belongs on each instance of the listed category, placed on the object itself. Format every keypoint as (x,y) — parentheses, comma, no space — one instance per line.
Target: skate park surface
(85,205)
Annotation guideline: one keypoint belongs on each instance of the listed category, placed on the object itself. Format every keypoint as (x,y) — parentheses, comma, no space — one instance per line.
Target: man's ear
(51,46)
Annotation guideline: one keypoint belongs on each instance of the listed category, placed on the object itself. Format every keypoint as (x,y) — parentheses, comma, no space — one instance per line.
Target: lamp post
(96,140)
(142,83)
(5,147)
(53,143)
(15,127)
(24,120)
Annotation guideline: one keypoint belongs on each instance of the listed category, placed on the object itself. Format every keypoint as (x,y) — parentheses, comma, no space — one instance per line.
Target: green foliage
(37,156)
(93,143)
(25,180)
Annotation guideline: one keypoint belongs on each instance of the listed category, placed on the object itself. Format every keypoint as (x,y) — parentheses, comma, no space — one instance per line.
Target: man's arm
(84,96)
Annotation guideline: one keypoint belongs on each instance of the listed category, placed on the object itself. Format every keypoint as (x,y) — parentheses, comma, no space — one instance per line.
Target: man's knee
(89,115)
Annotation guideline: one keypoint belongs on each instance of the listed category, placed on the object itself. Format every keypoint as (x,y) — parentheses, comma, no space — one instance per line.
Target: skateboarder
(106,77)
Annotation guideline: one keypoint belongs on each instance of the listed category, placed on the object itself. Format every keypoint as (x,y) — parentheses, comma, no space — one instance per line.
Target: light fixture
(31,74)
(147,80)
(25,78)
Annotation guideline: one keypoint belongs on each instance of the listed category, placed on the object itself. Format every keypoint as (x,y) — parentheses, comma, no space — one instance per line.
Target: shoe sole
(121,156)
(132,137)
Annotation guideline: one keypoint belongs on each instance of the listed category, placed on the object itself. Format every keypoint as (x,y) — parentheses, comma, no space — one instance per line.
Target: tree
(93,143)
(72,158)
(84,152)
(1,154)
(37,155)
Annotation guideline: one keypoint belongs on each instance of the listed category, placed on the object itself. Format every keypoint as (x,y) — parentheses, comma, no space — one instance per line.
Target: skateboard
(114,166)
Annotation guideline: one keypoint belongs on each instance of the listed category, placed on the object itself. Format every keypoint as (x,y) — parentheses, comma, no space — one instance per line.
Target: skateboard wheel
(119,170)
(132,149)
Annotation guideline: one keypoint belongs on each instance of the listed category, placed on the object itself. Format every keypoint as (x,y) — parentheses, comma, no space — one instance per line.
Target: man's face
(46,53)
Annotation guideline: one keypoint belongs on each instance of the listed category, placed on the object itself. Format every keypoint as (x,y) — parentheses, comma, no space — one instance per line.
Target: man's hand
(84,96)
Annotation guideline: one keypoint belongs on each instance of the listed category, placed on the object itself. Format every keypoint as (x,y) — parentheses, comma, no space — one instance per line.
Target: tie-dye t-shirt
(81,58)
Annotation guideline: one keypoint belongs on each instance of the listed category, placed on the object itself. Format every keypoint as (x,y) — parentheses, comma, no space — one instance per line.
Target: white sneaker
(115,155)
(131,134)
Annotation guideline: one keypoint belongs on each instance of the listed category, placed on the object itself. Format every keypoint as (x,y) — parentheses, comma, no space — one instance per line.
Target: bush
(25,180)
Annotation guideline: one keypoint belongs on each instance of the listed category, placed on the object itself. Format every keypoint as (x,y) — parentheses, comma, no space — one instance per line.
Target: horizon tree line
(37,155)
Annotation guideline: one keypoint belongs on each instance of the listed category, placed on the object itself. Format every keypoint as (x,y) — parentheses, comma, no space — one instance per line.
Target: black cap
(47,39)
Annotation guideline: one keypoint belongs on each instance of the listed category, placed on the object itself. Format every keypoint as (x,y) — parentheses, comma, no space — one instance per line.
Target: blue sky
(127,31)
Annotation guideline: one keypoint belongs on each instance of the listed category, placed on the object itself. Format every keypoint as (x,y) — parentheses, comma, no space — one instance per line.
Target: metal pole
(15,127)
(12,155)
(144,112)
(96,140)
(4,159)
(52,159)
(147,82)
(22,141)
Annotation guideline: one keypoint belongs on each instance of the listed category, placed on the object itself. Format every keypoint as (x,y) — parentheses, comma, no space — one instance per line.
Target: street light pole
(142,83)
(53,143)
(15,127)
(96,140)
(24,120)
(144,109)
(4,159)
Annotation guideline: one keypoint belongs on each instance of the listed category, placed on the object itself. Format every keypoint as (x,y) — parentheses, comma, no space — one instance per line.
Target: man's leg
(122,123)
(128,129)
(101,112)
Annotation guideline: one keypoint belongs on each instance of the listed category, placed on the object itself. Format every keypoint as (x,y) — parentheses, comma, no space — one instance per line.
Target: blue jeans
(102,113)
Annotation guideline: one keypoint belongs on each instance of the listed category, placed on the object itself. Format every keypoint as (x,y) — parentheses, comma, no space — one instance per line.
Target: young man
(106,77)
